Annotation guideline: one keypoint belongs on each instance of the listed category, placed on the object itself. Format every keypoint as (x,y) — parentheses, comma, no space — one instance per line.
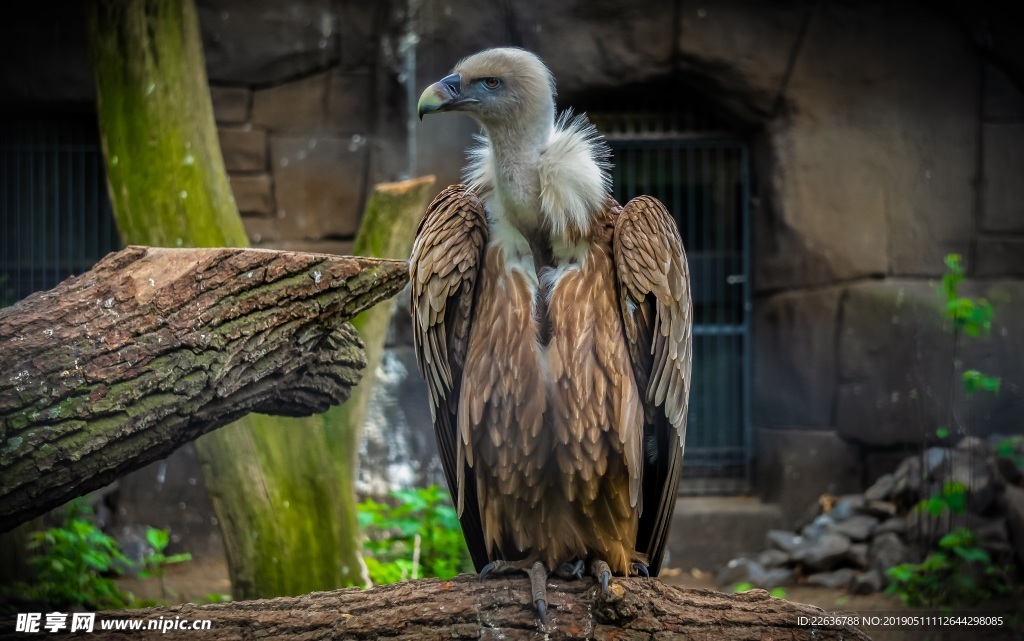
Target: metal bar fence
(54,210)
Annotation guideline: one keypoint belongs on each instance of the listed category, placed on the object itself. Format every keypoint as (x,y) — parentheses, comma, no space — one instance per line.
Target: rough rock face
(795,382)
(801,464)
(265,41)
(1004,147)
(900,377)
(848,91)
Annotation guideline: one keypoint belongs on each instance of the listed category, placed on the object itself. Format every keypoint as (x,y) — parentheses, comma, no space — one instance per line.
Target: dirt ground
(201,580)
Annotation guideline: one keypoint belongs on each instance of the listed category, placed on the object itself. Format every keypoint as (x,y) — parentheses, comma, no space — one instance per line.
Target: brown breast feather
(554,434)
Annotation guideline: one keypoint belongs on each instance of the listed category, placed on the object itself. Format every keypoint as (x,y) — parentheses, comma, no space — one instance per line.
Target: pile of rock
(850,541)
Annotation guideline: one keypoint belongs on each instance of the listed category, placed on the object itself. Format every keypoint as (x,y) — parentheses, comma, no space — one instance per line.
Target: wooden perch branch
(153,348)
(497,608)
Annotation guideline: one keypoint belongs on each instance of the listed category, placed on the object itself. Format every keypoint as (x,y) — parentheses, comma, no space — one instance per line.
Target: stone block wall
(294,95)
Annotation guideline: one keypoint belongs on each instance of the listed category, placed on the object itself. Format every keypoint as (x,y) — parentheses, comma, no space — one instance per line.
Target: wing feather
(446,259)
(654,300)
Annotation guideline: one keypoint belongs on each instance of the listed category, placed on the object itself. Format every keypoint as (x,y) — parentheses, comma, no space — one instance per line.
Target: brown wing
(654,297)
(447,256)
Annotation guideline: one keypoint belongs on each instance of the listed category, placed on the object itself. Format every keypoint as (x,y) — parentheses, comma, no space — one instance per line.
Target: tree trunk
(386,231)
(496,608)
(165,172)
(152,348)
(286,513)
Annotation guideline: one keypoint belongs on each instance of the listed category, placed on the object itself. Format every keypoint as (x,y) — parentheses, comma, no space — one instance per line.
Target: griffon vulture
(553,327)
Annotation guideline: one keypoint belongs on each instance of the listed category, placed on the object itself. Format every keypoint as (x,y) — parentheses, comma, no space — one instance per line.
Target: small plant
(959,574)
(419,536)
(154,563)
(76,565)
(971,315)
(953,497)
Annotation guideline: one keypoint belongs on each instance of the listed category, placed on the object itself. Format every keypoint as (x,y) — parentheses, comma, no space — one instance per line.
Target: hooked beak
(443,95)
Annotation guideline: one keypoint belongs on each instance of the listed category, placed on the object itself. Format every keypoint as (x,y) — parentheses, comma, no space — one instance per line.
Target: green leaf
(177,558)
(971,381)
(901,572)
(973,555)
(957,503)
(975,381)
(743,587)
(960,537)
(1007,447)
(158,538)
(991,384)
(934,505)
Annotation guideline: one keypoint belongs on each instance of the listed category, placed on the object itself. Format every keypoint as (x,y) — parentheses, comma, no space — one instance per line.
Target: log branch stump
(152,348)
(496,608)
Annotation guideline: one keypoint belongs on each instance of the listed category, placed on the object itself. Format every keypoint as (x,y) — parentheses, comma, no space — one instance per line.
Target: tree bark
(152,348)
(498,608)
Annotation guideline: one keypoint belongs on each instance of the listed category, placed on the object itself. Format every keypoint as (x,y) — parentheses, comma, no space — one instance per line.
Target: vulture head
(534,172)
(496,86)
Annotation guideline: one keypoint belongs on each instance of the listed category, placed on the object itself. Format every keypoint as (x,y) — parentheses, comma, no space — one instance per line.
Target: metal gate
(704,180)
(54,209)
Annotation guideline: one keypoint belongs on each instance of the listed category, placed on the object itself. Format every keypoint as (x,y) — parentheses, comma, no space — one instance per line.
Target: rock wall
(295,95)
(885,136)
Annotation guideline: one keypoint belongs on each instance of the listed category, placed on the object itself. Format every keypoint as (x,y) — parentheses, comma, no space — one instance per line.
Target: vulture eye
(491,83)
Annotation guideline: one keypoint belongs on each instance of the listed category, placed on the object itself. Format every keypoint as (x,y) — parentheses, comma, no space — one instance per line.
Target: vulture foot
(539,590)
(640,569)
(600,571)
(504,567)
(538,580)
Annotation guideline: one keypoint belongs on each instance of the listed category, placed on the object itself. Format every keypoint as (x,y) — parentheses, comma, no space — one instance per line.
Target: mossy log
(497,608)
(117,367)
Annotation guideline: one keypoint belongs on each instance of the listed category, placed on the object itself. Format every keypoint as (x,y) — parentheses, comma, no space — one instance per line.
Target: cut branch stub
(152,348)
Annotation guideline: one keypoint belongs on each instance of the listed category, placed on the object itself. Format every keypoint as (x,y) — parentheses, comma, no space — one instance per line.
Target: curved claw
(577,570)
(542,611)
(487,570)
(605,577)
(640,568)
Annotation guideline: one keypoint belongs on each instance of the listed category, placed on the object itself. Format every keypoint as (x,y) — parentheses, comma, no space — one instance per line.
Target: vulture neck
(516,152)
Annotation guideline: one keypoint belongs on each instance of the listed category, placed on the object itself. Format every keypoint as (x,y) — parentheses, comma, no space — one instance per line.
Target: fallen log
(152,348)
(496,608)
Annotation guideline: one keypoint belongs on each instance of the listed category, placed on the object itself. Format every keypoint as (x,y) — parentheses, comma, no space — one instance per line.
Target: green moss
(167,179)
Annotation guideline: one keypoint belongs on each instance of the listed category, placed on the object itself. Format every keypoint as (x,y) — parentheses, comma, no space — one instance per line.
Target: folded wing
(654,298)
(446,259)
